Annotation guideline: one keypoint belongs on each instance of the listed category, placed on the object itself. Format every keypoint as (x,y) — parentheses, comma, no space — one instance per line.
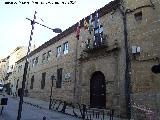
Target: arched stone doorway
(97,90)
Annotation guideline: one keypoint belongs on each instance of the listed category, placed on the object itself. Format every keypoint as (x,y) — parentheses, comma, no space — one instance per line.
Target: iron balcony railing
(97,42)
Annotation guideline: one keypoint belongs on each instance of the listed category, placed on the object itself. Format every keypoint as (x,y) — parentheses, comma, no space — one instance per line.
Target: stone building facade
(3,68)
(108,70)
(143,35)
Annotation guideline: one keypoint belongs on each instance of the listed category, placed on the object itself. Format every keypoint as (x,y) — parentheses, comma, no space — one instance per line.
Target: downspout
(75,69)
(127,67)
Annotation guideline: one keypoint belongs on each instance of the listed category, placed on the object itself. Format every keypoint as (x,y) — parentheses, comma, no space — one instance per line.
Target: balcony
(96,44)
(101,49)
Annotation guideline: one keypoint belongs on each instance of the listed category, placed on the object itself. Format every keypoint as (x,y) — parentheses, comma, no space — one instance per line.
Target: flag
(78,30)
(96,19)
(85,24)
(90,26)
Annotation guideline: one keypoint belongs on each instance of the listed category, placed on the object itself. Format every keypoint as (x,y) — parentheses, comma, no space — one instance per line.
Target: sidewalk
(45,105)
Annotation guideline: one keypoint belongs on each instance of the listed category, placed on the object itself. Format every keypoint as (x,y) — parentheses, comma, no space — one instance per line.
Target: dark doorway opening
(98,90)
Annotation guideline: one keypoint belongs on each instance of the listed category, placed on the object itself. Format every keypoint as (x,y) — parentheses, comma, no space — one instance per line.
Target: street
(31,113)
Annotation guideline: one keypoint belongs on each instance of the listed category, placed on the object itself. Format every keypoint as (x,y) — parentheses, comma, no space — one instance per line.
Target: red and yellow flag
(85,24)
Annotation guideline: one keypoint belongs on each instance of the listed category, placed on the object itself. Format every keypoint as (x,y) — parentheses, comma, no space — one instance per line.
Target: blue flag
(96,18)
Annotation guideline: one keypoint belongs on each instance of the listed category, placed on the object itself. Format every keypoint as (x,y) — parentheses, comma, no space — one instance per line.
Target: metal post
(83,111)
(50,102)
(25,72)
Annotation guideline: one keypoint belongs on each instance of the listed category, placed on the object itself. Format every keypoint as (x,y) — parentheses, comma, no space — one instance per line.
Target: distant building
(108,67)
(7,65)
(3,68)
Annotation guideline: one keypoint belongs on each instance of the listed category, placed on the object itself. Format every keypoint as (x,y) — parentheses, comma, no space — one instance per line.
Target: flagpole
(25,71)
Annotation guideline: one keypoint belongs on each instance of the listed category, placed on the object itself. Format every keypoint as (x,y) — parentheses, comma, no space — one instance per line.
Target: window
(65,48)
(43,57)
(33,62)
(48,55)
(36,60)
(138,16)
(58,51)
(19,68)
(32,81)
(43,80)
(11,67)
(59,78)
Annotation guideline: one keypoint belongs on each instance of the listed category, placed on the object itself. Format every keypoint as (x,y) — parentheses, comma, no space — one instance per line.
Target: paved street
(31,113)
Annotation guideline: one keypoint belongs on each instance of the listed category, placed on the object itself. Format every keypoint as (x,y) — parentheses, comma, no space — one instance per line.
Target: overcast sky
(15,28)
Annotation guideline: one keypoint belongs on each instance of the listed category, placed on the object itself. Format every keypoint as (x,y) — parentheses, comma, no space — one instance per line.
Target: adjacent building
(107,64)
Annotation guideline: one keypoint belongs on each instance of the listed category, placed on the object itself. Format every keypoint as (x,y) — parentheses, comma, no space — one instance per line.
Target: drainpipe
(127,67)
(75,69)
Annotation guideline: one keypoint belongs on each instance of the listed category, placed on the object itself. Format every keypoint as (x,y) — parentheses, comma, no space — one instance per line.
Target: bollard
(111,114)
(44,118)
(83,111)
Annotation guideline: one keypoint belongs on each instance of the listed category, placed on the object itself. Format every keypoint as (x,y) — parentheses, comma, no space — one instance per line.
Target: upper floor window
(43,57)
(33,62)
(11,67)
(65,48)
(48,55)
(138,16)
(36,60)
(19,68)
(58,51)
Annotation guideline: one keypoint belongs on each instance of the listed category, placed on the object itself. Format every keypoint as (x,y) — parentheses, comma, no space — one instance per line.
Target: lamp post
(52,78)
(56,30)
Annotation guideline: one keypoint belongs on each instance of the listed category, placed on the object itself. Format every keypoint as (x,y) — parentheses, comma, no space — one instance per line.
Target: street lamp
(56,30)
(52,78)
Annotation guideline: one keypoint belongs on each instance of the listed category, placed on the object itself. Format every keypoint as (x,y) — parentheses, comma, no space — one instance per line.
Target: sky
(15,29)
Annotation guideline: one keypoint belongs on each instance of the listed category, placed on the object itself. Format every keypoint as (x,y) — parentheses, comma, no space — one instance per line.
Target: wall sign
(67,75)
